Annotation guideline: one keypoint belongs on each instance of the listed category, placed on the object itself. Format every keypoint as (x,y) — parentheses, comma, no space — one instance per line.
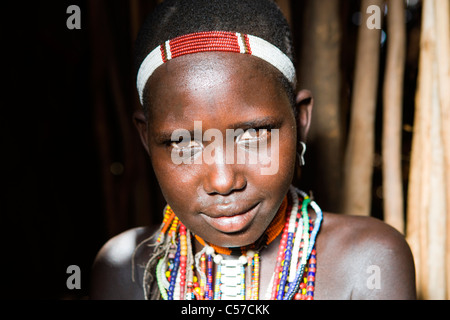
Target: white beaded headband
(214,41)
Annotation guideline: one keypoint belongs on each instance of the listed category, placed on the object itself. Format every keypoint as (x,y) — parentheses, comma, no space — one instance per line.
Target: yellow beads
(255,278)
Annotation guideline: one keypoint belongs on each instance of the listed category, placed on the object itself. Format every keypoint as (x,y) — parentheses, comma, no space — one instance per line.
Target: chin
(236,239)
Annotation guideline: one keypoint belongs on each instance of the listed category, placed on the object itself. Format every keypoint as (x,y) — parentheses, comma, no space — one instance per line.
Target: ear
(141,123)
(304,105)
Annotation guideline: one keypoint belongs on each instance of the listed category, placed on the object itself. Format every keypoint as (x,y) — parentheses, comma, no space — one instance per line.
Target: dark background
(72,168)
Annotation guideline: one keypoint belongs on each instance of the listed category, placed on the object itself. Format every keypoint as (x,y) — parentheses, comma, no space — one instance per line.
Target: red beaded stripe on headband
(202,42)
(207,41)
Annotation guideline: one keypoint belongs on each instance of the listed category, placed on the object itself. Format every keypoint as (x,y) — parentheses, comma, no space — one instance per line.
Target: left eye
(253,135)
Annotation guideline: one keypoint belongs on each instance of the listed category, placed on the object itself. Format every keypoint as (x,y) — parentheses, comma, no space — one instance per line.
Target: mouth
(229,222)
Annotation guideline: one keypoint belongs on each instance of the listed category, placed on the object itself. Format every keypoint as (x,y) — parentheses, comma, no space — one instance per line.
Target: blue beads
(209,277)
(287,261)
(173,274)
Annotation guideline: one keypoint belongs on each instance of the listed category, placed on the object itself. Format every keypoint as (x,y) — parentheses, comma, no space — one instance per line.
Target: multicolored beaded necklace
(293,277)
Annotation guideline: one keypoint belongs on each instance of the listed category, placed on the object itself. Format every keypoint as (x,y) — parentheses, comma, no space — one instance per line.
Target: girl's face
(226,201)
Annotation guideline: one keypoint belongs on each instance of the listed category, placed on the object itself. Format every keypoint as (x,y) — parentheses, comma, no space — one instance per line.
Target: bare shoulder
(373,258)
(360,230)
(112,272)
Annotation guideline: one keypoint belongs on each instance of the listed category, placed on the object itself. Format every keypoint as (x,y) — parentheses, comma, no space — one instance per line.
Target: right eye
(187,148)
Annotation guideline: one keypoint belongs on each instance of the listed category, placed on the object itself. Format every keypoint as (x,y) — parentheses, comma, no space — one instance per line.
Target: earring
(301,157)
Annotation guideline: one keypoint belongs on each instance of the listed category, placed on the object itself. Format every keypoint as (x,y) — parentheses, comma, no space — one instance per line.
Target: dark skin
(227,91)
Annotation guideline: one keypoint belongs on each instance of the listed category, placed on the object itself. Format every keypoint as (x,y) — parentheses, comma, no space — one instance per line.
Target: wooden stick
(413,199)
(437,213)
(443,62)
(425,80)
(429,196)
(358,163)
(392,116)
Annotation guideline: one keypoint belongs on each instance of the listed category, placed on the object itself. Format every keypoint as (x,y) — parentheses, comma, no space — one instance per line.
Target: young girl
(225,130)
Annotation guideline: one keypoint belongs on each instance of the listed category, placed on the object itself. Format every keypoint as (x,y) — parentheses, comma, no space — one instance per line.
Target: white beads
(209,250)
(243,260)
(250,253)
(218,259)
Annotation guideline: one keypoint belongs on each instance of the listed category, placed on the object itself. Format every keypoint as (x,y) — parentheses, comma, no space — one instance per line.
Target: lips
(230,219)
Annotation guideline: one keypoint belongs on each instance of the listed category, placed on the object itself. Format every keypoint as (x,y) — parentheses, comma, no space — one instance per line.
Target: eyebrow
(268,122)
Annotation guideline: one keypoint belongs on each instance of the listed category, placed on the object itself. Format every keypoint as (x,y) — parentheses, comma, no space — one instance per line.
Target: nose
(223,179)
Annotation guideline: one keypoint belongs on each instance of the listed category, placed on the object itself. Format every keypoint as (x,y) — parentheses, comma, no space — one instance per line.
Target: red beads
(183,259)
(204,42)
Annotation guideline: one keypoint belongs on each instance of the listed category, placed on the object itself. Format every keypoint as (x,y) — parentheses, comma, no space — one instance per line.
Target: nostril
(223,180)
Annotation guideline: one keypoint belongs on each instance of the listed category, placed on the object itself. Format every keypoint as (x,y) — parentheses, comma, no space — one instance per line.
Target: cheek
(282,152)
(288,152)
(279,174)
(180,188)
(178,183)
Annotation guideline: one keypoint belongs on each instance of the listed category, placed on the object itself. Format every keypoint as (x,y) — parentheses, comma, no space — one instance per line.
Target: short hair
(173,18)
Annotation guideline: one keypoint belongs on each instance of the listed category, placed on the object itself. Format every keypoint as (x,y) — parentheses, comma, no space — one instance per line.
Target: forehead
(196,85)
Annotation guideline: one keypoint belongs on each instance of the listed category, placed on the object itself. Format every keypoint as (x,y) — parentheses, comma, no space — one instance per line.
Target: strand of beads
(298,247)
(242,281)
(183,260)
(203,271)
(173,274)
(317,223)
(311,276)
(250,264)
(209,275)
(306,287)
(189,268)
(217,288)
(253,272)
(160,279)
(289,244)
(173,229)
(255,281)
(169,215)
